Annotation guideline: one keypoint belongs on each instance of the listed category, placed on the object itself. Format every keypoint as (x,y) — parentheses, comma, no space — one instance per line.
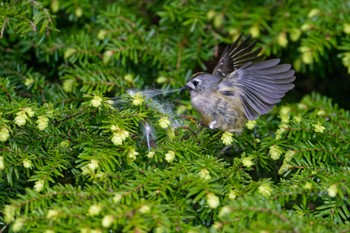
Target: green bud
(101,34)
(314,12)
(218,20)
(69,52)
(78,12)
(346,28)
(129,78)
(282,39)
(255,31)
(306,27)
(162,79)
(295,34)
(68,85)
(107,55)
(55,6)
(211,14)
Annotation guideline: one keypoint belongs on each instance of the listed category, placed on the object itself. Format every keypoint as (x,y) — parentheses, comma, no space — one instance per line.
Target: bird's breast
(205,106)
(225,111)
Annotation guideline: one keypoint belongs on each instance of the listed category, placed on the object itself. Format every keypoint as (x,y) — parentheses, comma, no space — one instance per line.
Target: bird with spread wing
(241,87)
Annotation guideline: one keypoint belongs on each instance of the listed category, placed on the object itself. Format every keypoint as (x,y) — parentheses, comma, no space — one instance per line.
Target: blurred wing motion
(237,55)
(259,85)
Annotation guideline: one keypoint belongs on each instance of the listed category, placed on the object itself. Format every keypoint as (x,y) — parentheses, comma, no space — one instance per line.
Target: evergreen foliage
(81,150)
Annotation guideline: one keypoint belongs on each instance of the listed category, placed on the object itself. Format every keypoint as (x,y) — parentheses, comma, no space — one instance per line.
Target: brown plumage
(241,87)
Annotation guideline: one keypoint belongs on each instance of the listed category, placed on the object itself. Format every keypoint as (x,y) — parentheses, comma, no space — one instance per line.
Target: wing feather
(236,56)
(259,85)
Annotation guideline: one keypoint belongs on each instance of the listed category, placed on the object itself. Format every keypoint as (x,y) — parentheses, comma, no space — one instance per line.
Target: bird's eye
(195,83)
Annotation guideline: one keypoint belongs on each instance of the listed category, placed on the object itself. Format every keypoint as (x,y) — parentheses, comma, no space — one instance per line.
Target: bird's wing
(260,86)
(237,55)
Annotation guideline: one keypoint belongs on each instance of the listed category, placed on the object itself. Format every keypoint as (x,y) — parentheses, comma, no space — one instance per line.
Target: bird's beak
(187,87)
(184,89)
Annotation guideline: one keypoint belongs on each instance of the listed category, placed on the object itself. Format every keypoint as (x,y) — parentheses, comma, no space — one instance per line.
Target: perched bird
(241,87)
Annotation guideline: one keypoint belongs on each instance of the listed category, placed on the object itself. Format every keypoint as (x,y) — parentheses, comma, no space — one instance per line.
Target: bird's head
(201,82)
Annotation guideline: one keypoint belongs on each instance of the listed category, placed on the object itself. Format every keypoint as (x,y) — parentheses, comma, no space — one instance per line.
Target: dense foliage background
(83,149)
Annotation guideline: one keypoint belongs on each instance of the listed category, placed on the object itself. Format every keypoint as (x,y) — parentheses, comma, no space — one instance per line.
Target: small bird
(241,87)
